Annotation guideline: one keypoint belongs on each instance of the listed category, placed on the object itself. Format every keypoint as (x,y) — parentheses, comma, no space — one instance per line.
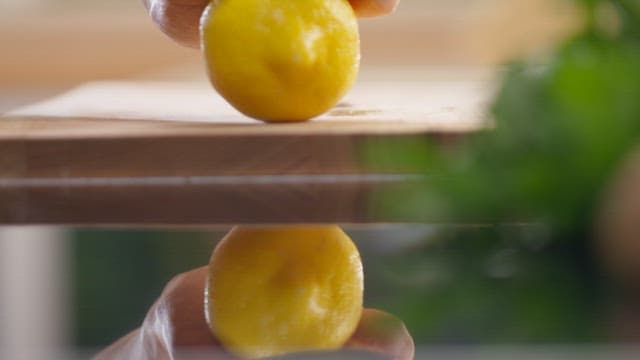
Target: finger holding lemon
(180,19)
(268,291)
(271,291)
(274,60)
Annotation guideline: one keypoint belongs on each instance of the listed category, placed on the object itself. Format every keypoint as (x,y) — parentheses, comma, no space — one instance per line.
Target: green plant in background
(487,284)
(118,275)
(560,132)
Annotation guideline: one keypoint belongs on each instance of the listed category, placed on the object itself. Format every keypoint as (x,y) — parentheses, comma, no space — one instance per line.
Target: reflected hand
(175,326)
(180,19)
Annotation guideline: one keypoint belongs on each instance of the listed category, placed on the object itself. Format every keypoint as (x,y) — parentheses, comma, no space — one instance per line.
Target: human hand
(180,19)
(175,328)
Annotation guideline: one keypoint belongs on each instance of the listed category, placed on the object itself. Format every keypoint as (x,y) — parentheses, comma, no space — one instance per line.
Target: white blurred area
(12,7)
(35,296)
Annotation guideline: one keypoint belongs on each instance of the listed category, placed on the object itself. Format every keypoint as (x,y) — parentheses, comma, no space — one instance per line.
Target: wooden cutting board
(149,153)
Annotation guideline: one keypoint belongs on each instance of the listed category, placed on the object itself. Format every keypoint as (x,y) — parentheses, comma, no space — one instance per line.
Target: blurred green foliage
(118,275)
(488,284)
(561,131)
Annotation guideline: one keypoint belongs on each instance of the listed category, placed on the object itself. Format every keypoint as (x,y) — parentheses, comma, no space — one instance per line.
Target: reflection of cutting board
(176,153)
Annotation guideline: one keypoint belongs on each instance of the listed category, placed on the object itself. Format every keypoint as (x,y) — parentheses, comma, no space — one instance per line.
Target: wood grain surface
(176,154)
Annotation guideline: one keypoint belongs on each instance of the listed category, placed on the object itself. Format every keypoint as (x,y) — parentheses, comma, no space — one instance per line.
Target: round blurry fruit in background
(279,290)
(281,60)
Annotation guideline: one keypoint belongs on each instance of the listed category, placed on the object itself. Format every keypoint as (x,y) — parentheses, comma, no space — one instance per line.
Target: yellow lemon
(281,60)
(279,290)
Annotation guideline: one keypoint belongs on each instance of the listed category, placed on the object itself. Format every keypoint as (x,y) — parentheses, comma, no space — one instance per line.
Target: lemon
(281,60)
(279,290)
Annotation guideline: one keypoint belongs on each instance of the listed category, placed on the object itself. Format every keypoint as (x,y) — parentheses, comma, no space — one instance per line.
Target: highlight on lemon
(281,60)
(280,290)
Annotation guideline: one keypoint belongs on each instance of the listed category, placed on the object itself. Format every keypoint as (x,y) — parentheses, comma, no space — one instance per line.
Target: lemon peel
(280,290)
(281,60)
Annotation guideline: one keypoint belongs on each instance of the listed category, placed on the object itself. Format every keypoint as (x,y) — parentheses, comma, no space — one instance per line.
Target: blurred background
(51,45)
(496,290)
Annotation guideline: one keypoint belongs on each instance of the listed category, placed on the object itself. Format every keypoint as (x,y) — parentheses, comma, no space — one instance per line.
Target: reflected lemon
(279,290)
(281,60)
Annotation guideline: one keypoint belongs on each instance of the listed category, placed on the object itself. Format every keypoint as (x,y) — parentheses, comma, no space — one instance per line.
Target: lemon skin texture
(279,290)
(281,60)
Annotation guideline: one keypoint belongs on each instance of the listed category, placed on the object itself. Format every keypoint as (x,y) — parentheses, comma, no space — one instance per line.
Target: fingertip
(383,333)
(373,8)
(178,20)
(189,281)
(182,302)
